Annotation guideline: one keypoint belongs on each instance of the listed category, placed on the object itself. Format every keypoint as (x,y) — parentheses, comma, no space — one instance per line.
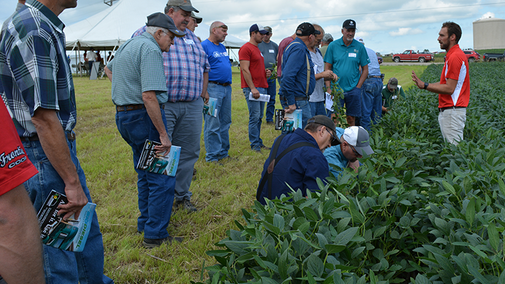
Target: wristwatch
(426,85)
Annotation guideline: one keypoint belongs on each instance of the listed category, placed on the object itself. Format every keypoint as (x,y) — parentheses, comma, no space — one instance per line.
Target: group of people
(161,79)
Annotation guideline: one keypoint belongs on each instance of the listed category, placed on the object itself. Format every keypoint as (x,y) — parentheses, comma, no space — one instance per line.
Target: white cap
(358,137)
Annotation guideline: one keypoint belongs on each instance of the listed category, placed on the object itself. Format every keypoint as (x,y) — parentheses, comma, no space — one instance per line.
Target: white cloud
(487,15)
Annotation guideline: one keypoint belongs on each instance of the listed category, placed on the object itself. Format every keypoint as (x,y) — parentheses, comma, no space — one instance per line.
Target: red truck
(410,55)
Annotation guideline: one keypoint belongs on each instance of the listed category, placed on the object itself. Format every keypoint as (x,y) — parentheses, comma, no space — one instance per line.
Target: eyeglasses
(334,140)
(354,151)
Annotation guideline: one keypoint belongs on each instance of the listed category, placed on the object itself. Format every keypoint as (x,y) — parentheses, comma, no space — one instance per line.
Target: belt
(70,137)
(296,98)
(129,107)
(222,84)
(379,76)
(441,109)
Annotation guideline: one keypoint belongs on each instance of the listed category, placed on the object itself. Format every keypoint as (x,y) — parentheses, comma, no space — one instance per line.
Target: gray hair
(152,30)
(215,25)
(168,7)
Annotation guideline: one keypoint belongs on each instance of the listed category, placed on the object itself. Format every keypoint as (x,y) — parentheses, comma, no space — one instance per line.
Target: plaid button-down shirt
(34,68)
(184,66)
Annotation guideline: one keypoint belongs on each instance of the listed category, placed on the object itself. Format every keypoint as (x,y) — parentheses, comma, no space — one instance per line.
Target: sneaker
(152,243)
(265,147)
(186,204)
(270,122)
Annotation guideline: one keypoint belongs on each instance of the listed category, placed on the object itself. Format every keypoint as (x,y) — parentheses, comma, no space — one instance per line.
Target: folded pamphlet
(156,163)
(210,107)
(262,98)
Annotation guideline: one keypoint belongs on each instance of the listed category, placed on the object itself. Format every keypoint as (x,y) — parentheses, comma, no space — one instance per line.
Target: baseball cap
(349,24)
(358,137)
(305,29)
(393,82)
(257,28)
(183,4)
(360,39)
(163,21)
(198,19)
(268,29)
(326,121)
(327,37)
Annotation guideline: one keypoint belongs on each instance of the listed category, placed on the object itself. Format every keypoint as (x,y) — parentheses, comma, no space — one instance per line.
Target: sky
(387,26)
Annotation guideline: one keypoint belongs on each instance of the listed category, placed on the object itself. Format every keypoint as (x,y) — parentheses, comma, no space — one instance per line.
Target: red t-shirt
(15,168)
(252,53)
(456,68)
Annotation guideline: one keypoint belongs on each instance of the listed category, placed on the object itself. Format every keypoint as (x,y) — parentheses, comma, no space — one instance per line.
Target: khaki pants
(452,123)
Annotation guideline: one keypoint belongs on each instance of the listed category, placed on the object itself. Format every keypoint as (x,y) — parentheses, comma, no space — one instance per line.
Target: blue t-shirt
(334,156)
(220,65)
(346,61)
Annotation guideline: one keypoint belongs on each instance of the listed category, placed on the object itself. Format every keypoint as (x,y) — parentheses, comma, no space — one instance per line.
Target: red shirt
(15,168)
(456,68)
(252,53)
(284,43)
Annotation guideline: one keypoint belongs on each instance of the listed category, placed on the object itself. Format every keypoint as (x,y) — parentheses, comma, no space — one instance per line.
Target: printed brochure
(210,107)
(155,163)
(262,98)
(288,122)
(68,235)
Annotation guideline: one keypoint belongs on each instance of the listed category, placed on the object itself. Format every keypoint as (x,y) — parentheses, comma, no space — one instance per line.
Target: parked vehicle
(410,55)
(471,55)
(493,56)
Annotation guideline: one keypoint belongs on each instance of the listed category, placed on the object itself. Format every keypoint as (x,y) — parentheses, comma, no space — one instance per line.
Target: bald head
(218,32)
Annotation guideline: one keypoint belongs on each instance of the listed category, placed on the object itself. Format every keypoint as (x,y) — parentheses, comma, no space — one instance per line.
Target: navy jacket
(299,168)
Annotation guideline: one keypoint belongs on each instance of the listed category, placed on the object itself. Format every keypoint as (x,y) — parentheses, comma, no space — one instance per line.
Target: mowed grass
(219,192)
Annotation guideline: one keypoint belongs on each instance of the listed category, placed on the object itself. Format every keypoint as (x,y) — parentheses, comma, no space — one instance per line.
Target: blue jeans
(317,108)
(61,267)
(255,116)
(304,106)
(352,100)
(272,90)
(216,129)
(184,128)
(155,191)
(371,107)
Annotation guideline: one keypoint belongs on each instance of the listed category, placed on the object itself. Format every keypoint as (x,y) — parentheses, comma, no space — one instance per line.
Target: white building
(489,33)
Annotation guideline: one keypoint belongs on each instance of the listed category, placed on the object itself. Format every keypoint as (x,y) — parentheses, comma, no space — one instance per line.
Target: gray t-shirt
(269,51)
(317,59)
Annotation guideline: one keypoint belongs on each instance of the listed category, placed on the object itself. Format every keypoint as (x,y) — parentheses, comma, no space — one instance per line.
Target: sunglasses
(354,151)
(334,140)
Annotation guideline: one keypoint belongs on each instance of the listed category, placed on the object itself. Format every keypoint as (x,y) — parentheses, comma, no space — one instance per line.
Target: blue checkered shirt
(34,68)
(184,66)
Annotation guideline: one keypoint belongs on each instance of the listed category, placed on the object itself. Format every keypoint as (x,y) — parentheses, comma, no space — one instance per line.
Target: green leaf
(380,231)
(356,252)
(310,214)
(421,279)
(331,249)
(268,280)
(344,237)
(502,186)
(400,162)
(283,265)
(449,187)
(279,221)
(494,238)
(470,212)
(272,228)
(315,265)
(475,272)
(298,222)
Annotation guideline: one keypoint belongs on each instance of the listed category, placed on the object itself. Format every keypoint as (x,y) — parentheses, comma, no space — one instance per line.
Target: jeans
(61,267)
(452,124)
(317,108)
(371,107)
(216,129)
(272,90)
(304,106)
(184,128)
(352,100)
(155,191)
(255,116)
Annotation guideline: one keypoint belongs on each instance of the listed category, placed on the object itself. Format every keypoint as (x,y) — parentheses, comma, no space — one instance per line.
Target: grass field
(219,192)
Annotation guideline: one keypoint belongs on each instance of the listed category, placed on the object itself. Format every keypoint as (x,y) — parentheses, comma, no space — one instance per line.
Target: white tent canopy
(110,28)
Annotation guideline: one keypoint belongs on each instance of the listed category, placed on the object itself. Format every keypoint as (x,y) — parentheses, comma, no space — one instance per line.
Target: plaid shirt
(184,66)
(34,68)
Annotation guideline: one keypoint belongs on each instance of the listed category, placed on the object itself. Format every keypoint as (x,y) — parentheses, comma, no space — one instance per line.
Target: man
(253,77)
(138,91)
(345,56)
(186,71)
(91,57)
(193,23)
(269,50)
(282,45)
(296,160)
(371,103)
(317,98)
(354,142)
(390,93)
(327,39)
(41,98)
(18,220)
(454,86)
(216,129)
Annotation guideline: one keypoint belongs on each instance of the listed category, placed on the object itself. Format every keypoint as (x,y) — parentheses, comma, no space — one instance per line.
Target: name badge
(271,51)
(352,54)
(189,41)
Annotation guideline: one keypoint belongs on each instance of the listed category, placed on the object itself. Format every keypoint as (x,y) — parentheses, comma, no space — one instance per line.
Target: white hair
(152,30)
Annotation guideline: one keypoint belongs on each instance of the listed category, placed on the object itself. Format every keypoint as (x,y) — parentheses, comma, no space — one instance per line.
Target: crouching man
(139,91)
(297,160)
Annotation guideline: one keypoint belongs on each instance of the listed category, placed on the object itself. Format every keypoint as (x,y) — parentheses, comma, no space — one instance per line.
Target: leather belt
(296,98)
(441,109)
(221,84)
(129,107)
(70,137)
(379,76)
